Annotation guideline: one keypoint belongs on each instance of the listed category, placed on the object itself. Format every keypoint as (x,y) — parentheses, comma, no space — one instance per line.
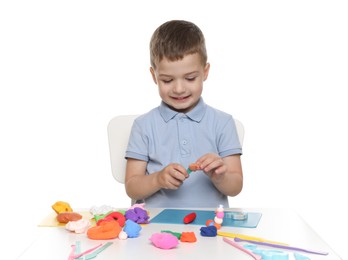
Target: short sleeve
(228,143)
(137,144)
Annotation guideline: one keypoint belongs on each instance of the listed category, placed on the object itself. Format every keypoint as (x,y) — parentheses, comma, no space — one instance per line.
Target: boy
(182,130)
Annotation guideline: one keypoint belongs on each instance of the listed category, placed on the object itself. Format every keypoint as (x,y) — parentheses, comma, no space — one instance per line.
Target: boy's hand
(172,176)
(212,165)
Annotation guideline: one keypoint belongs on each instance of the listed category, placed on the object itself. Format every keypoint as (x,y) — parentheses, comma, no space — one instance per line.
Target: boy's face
(180,82)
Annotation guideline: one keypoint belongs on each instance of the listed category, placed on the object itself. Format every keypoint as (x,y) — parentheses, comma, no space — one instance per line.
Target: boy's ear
(153,75)
(206,71)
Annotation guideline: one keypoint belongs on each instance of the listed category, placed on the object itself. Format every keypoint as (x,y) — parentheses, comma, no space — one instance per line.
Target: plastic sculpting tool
(236,245)
(241,236)
(98,251)
(300,257)
(78,249)
(280,246)
(72,255)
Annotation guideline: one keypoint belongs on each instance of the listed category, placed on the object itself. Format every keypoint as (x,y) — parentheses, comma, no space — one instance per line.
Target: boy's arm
(225,173)
(231,183)
(139,185)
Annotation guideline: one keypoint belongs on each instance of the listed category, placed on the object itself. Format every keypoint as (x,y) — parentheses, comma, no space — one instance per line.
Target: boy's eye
(166,81)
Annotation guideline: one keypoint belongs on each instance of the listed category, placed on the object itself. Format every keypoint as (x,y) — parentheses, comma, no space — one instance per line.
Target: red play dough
(114,216)
(189,218)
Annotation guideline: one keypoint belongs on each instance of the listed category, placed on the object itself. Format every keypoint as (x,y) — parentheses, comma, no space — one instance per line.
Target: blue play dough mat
(176,216)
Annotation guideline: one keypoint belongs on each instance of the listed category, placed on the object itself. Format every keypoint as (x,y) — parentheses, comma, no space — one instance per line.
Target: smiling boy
(182,130)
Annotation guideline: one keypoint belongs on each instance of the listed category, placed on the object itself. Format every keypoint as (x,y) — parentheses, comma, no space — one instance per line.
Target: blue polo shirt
(163,136)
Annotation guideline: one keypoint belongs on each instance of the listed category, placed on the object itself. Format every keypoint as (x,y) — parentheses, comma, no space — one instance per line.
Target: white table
(275,224)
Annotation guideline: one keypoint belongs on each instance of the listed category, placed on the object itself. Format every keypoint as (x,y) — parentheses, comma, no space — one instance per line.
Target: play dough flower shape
(138,215)
(100,210)
(79,226)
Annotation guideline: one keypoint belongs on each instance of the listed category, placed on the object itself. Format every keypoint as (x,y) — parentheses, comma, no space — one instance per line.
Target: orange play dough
(188,237)
(106,230)
(65,217)
(61,206)
(209,221)
(194,167)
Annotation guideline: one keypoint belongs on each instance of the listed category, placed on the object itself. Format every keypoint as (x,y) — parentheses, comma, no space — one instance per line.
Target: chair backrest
(119,129)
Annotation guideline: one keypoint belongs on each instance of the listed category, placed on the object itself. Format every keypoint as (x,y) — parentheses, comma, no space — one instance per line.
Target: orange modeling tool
(193,167)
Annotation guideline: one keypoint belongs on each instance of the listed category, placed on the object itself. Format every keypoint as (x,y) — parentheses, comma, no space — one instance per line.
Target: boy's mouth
(180,98)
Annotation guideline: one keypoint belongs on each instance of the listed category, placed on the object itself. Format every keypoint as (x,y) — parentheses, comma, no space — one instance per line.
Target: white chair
(119,129)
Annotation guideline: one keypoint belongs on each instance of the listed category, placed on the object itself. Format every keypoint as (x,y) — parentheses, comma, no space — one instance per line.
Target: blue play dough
(132,229)
(210,231)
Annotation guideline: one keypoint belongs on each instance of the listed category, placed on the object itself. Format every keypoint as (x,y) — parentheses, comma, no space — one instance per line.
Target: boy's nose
(179,87)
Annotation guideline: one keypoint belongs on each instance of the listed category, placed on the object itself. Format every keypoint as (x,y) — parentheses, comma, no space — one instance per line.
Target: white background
(68,67)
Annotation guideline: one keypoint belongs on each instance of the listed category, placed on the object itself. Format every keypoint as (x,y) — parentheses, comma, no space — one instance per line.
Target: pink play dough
(164,240)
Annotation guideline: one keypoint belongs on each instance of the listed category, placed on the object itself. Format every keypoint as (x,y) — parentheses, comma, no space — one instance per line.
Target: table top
(281,225)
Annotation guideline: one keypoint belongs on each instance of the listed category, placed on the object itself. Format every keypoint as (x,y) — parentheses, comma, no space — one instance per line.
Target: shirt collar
(196,114)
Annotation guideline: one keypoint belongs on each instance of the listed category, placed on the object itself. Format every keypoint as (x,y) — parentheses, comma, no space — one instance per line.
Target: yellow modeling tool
(241,236)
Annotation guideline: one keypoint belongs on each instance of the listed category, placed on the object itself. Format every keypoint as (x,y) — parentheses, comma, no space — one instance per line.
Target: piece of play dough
(132,229)
(137,215)
(123,235)
(210,231)
(188,237)
(79,226)
(138,205)
(106,230)
(61,206)
(101,210)
(114,216)
(164,240)
(190,217)
(177,234)
(194,167)
(65,217)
